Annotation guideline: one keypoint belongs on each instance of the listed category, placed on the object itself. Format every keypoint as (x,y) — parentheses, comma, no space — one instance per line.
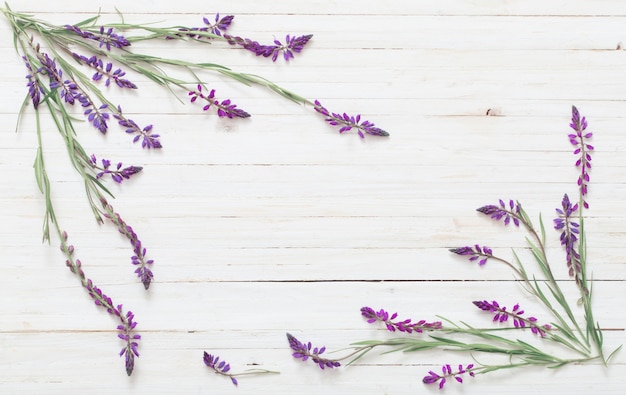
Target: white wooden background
(279,224)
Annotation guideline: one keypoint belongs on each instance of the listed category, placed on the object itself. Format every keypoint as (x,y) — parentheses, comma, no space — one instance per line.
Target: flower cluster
(403,326)
(475,253)
(578,140)
(219,367)
(347,122)
(69,91)
(447,372)
(305,351)
(501,315)
(584,341)
(55,78)
(225,108)
(118,174)
(501,211)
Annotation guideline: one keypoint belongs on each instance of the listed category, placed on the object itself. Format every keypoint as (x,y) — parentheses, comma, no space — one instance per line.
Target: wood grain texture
(278,224)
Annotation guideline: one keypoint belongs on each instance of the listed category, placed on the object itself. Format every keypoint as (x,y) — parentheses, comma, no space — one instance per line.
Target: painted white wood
(278,224)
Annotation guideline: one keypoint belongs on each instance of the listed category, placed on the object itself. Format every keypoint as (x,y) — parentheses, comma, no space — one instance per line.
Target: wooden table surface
(279,224)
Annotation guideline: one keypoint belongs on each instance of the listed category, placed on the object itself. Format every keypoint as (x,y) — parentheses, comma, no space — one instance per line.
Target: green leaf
(39,170)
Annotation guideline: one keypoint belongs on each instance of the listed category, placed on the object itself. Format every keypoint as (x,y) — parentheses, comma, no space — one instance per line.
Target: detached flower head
(305,351)
(446,373)
(219,367)
(579,140)
(347,122)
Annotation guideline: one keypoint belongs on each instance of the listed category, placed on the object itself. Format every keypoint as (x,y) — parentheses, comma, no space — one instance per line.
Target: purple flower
(68,89)
(292,44)
(482,254)
(139,259)
(107,38)
(347,122)
(70,92)
(125,333)
(502,315)
(198,33)
(501,211)
(127,324)
(220,25)
(225,108)
(149,140)
(105,70)
(34,88)
(578,140)
(446,372)
(403,326)
(305,351)
(96,116)
(569,238)
(118,174)
(219,367)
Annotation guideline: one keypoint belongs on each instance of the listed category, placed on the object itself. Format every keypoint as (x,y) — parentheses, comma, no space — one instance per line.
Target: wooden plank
(278,224)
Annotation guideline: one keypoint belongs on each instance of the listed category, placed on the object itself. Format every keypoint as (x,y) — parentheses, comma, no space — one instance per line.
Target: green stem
(539,252)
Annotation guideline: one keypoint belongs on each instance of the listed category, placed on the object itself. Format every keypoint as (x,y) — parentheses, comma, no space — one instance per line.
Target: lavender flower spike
(579,125)
(139,259)
(127,324)
(224,108)
(569,238)
(475,253)
(149,140)
(403,326)
(106,37)
(446,372)
(105,70)
(305,351)
(501,211)
(292,44)
(501,315)
(347,122)
(220,25)
(34,88)
(118,175)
